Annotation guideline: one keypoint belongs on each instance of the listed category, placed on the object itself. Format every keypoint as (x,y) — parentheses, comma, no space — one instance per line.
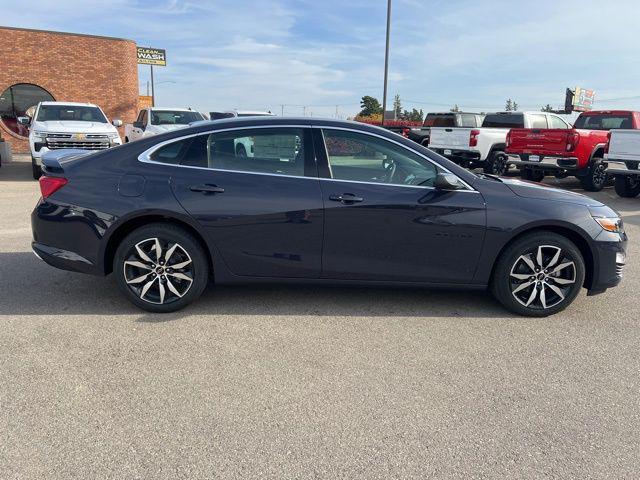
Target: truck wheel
(425,143)
(532,175)
(126,139)
(37,169)
(595,177)
(627,187)
(496,163)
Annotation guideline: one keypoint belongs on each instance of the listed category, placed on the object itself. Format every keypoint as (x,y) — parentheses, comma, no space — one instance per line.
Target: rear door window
(501,120)
(604,122)
(440,120)
(557,122)
(468,120)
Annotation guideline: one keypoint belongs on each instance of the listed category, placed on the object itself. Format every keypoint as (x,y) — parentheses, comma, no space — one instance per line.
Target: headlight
(113,136)
(41,135)
(610,224)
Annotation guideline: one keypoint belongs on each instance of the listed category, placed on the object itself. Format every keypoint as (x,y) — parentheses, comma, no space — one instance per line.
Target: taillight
(473,138)
(572,141)
(50,185)
(405,132)
(508,141)
(606,147)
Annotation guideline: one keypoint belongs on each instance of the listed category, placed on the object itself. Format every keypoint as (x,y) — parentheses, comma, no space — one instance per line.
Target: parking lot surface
(300,382)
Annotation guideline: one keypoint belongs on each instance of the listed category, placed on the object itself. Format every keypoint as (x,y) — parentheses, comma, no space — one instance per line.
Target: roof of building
(66,33)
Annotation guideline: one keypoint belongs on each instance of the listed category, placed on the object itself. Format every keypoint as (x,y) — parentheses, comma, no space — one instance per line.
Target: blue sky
(260,54)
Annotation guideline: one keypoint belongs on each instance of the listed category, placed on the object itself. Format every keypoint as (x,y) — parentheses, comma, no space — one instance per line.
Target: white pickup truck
(484,146)
(58,125)
(622,158)
(152,121)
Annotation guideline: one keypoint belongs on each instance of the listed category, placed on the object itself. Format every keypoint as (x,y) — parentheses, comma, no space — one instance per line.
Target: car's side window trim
(146,156)
(437,165)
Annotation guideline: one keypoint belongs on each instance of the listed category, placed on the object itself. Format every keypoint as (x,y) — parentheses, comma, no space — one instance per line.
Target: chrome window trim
(145,157)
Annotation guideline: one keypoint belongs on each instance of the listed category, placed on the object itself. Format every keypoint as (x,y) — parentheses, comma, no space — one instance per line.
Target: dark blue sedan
(305,200)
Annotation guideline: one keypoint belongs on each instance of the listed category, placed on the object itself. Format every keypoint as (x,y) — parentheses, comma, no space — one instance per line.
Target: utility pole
(304,111)
(386,62)
(153,94)
(337,111)
(282,110)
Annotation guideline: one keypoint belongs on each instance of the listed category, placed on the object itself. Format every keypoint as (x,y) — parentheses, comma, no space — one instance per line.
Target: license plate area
(447,152)
(534,158)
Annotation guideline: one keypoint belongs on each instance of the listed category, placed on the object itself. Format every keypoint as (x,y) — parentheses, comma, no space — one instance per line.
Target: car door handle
(206,188)
(346,198)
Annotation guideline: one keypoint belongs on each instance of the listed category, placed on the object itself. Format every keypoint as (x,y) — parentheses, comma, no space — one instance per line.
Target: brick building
(38,65)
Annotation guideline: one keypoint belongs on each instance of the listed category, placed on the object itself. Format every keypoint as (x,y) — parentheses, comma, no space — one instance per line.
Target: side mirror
(24,120)
(116,122)
(448,181)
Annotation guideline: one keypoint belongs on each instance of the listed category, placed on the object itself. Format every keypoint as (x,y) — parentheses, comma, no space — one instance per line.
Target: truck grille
(56,141)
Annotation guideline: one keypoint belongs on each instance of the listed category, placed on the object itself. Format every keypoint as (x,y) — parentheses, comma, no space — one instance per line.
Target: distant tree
(547,108)
(455,108)
(510,106)
(397,107)
(414,115)
(370,106)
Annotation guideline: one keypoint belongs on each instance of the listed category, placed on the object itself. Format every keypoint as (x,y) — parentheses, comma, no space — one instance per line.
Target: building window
(16,100)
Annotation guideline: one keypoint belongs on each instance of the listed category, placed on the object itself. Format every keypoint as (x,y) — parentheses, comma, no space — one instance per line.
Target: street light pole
(386,62)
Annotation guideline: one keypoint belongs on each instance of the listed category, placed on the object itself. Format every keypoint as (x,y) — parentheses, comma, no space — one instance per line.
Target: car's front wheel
(161,267)
(538,275)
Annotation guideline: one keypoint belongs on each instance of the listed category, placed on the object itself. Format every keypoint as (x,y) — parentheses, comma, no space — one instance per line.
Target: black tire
(241,151)
(496,163)
(509,290)
(36,169)
(595,178)
(188,281)
(532,175)
(627,187)
(126,139)
(425,143)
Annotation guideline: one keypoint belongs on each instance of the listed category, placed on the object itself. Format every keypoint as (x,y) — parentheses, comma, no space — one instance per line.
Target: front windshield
(70,113)
(174,117)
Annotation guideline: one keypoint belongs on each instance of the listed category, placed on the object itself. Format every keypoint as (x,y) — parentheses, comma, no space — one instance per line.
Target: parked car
(446,119)
(561,151)
(349,204)
(622,158)
(58,125)
(152,121)
(485,146)
(239,113)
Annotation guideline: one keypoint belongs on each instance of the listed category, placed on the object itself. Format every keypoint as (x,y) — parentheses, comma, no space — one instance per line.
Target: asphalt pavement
(301,382)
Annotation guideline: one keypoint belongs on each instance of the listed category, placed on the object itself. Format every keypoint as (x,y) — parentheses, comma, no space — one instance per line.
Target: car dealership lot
(288,382)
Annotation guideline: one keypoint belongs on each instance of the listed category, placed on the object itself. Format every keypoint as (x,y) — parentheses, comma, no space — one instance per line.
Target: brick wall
(73,68)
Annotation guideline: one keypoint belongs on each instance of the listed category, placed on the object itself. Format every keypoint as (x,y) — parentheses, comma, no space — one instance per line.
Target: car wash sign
(152,56)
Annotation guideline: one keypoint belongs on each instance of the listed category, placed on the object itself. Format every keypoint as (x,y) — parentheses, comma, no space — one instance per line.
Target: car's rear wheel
(161,267)
(496,164)
(595,177)
(532,175)
(627,187)
(538,275)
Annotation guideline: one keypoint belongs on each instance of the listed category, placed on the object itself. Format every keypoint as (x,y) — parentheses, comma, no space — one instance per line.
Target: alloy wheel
(542,277)
(499,166)
(158,271)
(599,174)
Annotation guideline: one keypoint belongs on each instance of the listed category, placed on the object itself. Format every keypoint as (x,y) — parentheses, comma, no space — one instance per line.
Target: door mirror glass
(116,122)
(448,181)
(24,120)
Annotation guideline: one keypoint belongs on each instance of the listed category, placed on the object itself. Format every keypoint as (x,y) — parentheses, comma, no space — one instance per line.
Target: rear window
(497,120)
(440,120)
(603,122)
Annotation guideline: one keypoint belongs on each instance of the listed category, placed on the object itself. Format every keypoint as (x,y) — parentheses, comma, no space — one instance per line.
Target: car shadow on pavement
(28,286)
(18,171)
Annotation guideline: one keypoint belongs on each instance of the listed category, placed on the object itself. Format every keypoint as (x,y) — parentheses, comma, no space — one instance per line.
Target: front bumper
(609,260)
(543,162)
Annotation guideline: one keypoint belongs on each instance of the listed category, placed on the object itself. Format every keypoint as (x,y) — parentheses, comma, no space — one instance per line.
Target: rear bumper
(458,156)
(628,169)
(64,259)
(544,163)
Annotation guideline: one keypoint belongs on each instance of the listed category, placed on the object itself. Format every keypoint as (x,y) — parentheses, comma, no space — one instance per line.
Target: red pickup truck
(563,151)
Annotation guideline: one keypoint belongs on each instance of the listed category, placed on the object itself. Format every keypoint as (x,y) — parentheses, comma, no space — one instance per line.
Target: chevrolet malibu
(315,201)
